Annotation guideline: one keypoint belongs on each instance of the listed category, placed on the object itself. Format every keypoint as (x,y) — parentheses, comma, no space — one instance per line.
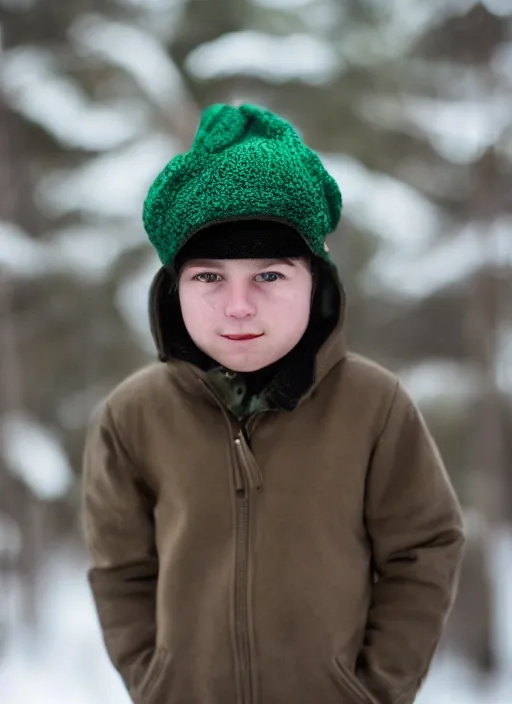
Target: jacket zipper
(246,474)
(247,461)
(248,477)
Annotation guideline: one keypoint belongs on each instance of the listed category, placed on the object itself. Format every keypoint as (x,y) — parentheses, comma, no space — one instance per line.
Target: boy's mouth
(242,337)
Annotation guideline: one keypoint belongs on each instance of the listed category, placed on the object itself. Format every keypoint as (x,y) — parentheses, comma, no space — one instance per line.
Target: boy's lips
(242,337)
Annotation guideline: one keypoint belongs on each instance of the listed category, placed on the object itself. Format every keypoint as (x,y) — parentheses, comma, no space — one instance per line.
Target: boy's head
(240,222)
(245,292)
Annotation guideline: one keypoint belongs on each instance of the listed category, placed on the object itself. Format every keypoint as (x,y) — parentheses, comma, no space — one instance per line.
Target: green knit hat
(245,162)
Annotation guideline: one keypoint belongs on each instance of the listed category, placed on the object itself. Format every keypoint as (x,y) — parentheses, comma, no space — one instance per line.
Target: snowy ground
(67,663)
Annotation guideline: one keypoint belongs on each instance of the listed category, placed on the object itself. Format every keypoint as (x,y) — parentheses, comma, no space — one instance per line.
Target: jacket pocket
(349,683)
(150,685)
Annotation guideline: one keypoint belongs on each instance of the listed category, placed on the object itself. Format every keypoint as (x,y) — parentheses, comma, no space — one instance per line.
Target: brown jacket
(310,559)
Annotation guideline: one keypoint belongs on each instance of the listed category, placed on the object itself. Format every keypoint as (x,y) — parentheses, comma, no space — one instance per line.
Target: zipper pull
(239,479)
(248,462)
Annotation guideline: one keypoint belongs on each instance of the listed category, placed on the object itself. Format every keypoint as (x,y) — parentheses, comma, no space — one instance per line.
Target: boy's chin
(245,366)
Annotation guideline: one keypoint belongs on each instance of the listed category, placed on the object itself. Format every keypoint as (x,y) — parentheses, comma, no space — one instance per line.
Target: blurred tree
(467,46)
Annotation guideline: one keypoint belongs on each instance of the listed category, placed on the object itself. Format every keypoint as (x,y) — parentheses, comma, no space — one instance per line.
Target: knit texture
(245,162)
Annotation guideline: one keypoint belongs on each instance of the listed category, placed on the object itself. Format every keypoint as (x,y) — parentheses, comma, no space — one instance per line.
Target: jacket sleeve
(414,523)
(119,533)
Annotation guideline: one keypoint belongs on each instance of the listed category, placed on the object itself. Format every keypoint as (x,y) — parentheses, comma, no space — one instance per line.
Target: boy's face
(246,313)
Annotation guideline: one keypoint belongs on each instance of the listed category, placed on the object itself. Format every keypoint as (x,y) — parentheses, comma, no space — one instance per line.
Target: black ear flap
(160,284)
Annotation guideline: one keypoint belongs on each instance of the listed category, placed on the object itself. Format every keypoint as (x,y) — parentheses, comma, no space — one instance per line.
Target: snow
(453,382)
(391,209)
(20,253)
(112,185)
(434,379)
(460,131)
(501,567)
(275,58)
(502,8)
(451,260)
(67,662)
(32,452)
(152,5)
(135,51)
(86,251)
(289,5)
(453,681)
(33,87)
(90,251)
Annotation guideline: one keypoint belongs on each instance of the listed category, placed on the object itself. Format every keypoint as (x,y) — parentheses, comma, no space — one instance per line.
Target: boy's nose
(238,301)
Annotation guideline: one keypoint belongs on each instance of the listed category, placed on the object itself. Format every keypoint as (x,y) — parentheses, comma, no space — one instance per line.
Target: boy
(268,517)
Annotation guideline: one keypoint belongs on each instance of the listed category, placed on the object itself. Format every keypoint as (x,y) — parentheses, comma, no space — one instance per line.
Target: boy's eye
(207,277)
(269,276)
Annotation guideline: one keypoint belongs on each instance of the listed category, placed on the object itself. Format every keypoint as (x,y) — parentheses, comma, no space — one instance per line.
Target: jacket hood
(290,379)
